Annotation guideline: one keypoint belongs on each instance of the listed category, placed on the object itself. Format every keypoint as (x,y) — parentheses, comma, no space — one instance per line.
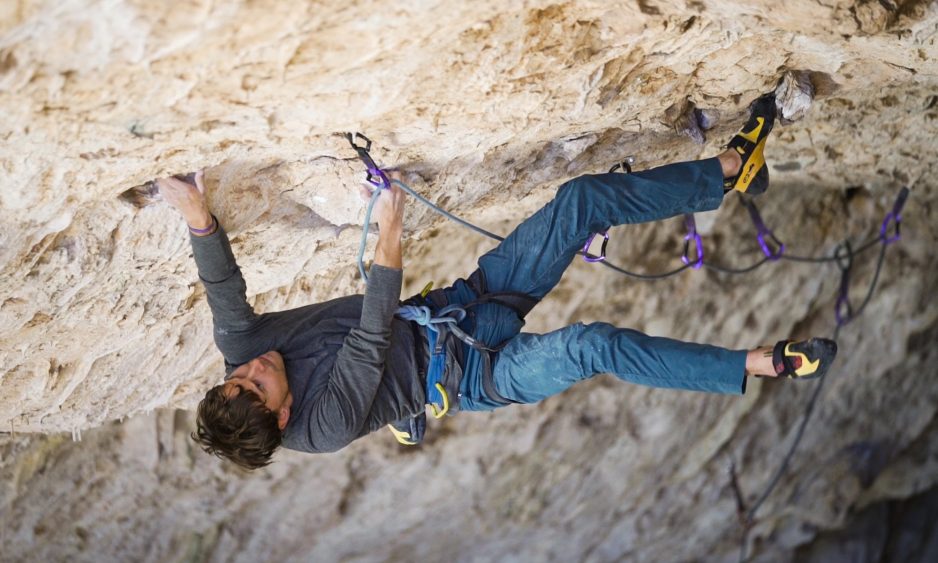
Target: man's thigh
(533,367)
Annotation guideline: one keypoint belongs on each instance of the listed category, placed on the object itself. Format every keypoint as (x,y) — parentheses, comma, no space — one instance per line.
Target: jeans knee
(573,195)
(590,186)
(571,189)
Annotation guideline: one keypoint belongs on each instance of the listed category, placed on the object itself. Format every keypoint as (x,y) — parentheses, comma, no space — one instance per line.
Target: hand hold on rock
(794,95)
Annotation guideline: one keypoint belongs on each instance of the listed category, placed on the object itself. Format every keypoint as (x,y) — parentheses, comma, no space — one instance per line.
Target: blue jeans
(531,260)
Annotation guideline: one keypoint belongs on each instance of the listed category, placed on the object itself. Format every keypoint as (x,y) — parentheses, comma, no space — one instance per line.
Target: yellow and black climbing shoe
(807,359)
(750,144)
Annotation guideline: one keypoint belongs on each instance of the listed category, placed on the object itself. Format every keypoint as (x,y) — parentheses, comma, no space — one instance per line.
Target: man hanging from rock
(318,377)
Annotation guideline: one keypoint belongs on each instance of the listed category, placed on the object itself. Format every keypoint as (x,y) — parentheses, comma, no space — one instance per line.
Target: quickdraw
(602,251)
(894,218)
(692,235)
(765,236)
(626,166)
(374,176)
(844,253)
(843,311)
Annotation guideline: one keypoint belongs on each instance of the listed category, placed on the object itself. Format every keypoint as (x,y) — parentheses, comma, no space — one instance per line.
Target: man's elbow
(330,443)
(334,432)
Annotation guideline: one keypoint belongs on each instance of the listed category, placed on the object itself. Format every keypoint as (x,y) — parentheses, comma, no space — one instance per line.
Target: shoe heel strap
(779,361)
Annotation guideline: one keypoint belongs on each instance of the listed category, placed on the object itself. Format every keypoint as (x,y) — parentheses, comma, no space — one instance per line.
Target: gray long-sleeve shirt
(350,363)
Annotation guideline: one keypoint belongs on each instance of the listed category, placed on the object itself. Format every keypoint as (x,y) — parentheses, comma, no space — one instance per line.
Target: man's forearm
(388,252)
(233,316)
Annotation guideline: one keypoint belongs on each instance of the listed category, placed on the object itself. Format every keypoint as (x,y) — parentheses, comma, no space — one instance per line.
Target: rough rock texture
(489,106)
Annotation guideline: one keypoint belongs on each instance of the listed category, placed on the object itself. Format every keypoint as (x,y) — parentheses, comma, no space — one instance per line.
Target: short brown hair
(240,429)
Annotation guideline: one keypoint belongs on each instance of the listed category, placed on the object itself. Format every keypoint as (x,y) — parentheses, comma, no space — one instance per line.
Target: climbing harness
(443,321)
(446,320)
(443,373)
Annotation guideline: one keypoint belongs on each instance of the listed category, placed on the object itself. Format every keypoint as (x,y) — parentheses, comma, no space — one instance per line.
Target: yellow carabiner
(439,413)
(426,289)
(401,436)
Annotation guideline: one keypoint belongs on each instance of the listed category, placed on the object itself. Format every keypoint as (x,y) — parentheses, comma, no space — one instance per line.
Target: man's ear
(283,416)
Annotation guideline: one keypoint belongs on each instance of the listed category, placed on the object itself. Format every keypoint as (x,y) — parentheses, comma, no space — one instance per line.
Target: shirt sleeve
(341,409)
(233,317)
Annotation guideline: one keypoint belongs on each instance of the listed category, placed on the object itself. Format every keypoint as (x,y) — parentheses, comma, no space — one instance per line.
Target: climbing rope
(772,248)
(380,181)
(845,314)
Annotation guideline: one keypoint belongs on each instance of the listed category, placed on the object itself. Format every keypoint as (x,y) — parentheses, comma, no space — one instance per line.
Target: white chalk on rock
(794,95)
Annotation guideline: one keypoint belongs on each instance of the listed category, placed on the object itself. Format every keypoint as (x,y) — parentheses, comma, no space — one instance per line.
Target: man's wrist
(202,225)
(200,221)
(392,232)
(388,250)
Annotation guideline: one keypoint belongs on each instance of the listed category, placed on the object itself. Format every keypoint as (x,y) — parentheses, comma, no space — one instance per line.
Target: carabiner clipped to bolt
(894,218)
(602,251)
(766,237)
(692,234)
(375,176)
(625,165)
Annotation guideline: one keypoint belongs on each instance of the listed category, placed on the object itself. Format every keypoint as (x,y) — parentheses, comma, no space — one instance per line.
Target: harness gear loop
(602,251)
(374,176)
(440,412)
(894,217)
(409,431)
(692,234)
(843,310)
(402,436)
(765,237)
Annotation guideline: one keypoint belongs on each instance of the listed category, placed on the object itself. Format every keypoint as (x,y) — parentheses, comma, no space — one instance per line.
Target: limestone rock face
(488,106)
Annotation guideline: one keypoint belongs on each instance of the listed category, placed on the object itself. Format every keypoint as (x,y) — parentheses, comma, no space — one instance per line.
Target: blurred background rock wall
(105,336)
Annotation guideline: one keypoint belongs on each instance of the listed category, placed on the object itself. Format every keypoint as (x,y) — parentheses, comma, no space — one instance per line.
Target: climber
(317,377)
